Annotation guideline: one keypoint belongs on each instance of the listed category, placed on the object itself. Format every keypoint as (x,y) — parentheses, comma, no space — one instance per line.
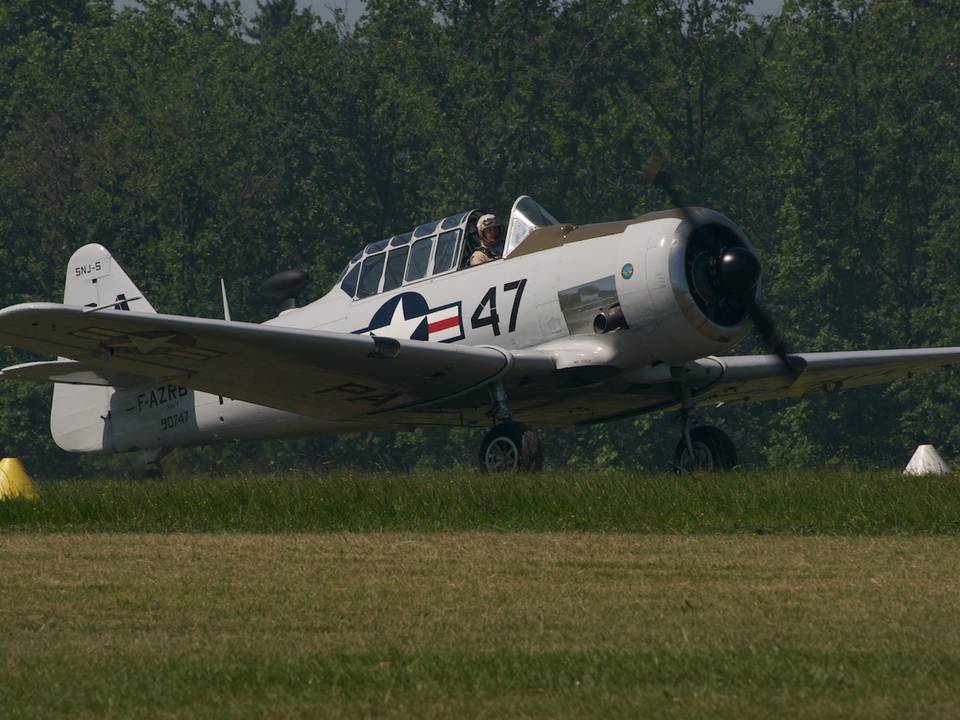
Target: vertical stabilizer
(95,279)
(80,414)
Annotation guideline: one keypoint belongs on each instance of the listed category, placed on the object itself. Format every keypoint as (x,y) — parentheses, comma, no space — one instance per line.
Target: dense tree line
(196,144)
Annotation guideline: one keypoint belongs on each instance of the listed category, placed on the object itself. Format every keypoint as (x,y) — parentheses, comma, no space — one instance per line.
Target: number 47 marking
(490,300)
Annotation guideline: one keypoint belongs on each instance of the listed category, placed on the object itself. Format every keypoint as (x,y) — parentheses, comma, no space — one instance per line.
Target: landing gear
(152,469)
(510,446)
(701,448)
(712,450)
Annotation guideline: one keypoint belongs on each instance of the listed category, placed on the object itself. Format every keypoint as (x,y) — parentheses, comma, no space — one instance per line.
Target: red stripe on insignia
(443,324)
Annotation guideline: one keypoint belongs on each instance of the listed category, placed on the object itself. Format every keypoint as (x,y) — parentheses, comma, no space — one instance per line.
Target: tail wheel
(511,447)
(712,450)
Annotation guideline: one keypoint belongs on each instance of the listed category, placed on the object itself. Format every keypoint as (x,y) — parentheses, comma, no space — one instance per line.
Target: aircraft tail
(80,414)
(95,279)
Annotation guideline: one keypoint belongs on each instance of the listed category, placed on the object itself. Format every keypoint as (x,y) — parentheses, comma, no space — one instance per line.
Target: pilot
(491,246)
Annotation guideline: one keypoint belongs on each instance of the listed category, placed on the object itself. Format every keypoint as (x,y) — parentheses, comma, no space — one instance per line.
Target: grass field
(479,625)
(571,595)
(792,502)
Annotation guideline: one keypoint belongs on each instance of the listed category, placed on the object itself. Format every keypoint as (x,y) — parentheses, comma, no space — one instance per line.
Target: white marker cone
(926,461)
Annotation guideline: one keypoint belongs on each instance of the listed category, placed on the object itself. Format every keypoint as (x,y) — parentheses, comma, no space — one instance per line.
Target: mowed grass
(771,502)
(478,624)
(604,595)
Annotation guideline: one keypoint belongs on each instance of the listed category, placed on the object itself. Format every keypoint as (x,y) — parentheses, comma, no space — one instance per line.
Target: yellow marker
(14,481)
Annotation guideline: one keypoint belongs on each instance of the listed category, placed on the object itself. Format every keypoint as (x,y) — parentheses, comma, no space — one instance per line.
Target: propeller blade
(654,173)
(741,267)
(768,334)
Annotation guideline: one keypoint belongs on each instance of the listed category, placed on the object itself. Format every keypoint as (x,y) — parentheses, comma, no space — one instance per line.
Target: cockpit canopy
(525,217)
(434,248)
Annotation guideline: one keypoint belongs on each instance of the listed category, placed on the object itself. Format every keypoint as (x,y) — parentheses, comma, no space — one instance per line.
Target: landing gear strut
(152,469)
(702,447)
(510,446)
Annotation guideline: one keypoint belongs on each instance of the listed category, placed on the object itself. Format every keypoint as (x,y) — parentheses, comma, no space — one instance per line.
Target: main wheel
(712,450)
(153,471)
(511,447)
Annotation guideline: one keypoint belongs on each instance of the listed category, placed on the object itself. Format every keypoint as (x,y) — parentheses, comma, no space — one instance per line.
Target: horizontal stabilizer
(72,373)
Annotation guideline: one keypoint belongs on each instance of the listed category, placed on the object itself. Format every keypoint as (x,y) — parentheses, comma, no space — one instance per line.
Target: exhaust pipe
(610,319)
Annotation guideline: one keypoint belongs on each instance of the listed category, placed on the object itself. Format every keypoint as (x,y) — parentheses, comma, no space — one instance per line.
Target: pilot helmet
(485,221)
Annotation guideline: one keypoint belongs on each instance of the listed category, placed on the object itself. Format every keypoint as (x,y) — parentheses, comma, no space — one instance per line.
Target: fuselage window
(446,246)
(349,284)
(396,261)
(419,259)
(370,276)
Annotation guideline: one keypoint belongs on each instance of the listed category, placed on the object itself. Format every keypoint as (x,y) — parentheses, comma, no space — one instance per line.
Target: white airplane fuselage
(546,300)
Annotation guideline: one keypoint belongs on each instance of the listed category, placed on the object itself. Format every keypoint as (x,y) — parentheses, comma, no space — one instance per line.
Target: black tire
(713,450)
(511,447)
(153,471)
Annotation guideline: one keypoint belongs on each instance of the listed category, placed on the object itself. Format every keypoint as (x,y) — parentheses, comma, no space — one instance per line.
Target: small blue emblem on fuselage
(626,272)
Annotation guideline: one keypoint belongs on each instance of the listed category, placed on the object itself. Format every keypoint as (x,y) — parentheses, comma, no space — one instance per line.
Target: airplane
(574,324)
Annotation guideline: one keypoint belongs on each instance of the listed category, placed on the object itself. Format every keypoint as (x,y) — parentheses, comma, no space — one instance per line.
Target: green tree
(271,18)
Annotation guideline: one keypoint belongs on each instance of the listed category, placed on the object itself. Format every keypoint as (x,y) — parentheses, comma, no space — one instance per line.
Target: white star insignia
(145,345)
(400,327)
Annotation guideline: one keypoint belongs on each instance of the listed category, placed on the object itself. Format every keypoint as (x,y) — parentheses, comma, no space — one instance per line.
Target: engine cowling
(691,302)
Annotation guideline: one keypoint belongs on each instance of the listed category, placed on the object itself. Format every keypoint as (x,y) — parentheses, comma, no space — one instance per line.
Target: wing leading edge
(329,376)
(754,378)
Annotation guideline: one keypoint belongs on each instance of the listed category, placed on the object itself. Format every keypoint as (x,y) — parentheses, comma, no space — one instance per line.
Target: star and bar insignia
(408,316)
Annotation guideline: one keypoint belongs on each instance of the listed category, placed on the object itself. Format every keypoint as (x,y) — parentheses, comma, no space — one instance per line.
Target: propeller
(284,287)
(726,276)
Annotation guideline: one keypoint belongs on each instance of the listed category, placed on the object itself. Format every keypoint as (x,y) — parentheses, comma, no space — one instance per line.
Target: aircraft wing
(749,378)
(326,375)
